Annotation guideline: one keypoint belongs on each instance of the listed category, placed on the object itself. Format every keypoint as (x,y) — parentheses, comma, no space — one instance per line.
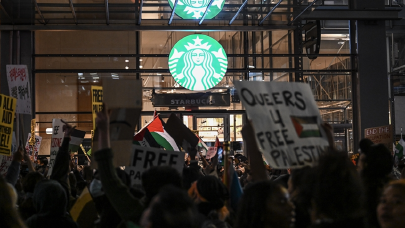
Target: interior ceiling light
(127,60)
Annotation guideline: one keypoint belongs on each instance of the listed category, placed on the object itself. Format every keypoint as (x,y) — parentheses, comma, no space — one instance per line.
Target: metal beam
(6,13)
(206,12)
(140,12)
(310,5)
(271,11)
(167,55)
(73,11)
(39,12)
(115,27)
(107,13)
(174,9)
(237,13)
(352,15)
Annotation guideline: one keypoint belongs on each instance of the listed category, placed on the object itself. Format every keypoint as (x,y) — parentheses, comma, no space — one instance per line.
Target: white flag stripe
(308,127)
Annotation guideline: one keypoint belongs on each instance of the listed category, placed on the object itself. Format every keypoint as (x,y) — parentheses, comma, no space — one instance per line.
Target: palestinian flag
(399,149)
(201,145)
(160,135)
(76,138)
(307,126)
(144,138)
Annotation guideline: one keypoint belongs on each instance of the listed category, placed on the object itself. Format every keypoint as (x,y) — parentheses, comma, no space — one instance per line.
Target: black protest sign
(176,128)
(7,113)
(143,158)
(286,122)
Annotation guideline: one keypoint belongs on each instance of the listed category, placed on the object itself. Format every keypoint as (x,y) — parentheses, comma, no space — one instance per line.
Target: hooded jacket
(50,203)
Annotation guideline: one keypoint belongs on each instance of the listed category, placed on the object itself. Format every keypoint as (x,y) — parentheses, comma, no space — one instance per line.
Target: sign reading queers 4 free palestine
(286,122)
(198,62)
(194,9)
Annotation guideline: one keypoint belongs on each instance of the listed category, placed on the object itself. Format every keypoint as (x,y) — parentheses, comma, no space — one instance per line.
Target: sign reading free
(286,122)
(143,158)
(198,62)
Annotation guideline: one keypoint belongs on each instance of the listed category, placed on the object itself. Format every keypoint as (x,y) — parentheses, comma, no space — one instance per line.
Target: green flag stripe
(162,141)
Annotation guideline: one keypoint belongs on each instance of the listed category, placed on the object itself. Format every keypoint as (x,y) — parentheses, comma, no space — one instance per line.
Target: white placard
(211,152)
(143,158)
(19,86)
(34,149)
(286,122)
(56,141)
(5,161)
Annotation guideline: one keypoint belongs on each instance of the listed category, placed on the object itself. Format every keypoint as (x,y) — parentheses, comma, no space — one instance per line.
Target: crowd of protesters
(332,193)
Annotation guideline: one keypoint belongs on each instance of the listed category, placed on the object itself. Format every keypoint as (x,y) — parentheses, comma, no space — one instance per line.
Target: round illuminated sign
(194,9)
(198,62)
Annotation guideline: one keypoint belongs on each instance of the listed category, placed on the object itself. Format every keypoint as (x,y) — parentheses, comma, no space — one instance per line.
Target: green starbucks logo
(194,9)
(198,62)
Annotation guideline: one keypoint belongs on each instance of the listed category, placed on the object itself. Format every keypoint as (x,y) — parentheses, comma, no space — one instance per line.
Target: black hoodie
(50,202)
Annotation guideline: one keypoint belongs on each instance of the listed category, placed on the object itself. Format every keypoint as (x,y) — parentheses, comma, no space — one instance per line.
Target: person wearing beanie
(209,193)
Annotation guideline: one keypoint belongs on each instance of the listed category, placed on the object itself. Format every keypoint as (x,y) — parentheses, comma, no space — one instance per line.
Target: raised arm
(14,169)
(127,206)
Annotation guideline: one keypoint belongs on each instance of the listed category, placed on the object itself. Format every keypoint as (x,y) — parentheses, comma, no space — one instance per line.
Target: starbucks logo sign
(194,9)
(198,62)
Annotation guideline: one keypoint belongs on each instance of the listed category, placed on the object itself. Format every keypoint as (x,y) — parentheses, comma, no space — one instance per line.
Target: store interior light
(141,67)
(140,60)
(127,60)
(48,131)
(126,67)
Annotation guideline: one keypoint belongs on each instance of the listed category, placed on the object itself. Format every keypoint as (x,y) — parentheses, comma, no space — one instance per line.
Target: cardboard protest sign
(56,141)
(5,161)
(143,158)
(7,113)
(19,86)
(176,128)
(96,102)
(381,134)
(123,98)
(33,150)
(286,122)
(211,152)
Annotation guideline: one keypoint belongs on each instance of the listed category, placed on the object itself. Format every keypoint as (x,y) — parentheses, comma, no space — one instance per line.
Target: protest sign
(286,122)
(7,113)
(19,86)
(211,152)
(123,98)
(96,102)
(33,150)
(76,138)
(56,141)
(176,128)
(381,134)
(143,158)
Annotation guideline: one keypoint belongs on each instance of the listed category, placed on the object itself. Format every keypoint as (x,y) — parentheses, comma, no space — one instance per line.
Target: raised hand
(68,129)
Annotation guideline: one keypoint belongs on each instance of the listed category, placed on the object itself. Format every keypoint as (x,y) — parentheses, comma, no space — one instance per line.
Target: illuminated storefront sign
(191,99)
(194,9)
(198,62)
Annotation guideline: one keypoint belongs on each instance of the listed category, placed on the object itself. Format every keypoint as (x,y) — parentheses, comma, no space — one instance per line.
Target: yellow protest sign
(7,113)
(96,102)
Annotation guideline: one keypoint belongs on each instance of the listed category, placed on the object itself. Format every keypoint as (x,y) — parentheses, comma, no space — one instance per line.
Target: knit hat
(212,190)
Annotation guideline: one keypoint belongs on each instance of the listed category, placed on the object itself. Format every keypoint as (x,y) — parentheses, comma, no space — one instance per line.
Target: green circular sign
(194,9)
(198,62)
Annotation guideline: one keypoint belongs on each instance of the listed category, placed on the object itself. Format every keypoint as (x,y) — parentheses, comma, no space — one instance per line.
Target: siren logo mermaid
(198,62)
(194,9)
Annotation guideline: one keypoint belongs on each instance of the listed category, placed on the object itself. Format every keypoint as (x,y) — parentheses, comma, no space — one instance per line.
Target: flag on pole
(231,181)
(144,138)
(202,145)
(76,138)
(161,136)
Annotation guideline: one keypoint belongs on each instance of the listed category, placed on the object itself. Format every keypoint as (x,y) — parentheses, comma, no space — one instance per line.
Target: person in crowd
(264,204)
(13,171)
(27,208)
(108,216)
(43,167)
(391,207)
(61,166)
(49,199)
(336,193)
(155,178)
(189,175)
(170,208)
(299,196)
(9,216)
(210,194)
(375,166)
